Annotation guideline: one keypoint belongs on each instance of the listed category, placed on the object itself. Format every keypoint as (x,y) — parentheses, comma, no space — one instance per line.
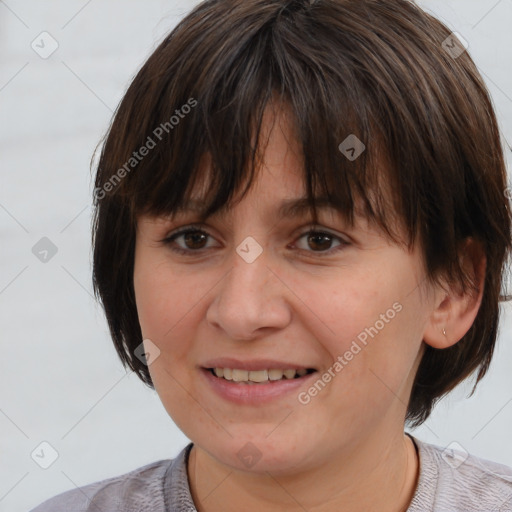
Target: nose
(250,300)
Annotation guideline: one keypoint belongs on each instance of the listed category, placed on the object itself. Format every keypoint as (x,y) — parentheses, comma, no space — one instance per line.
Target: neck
(377,474)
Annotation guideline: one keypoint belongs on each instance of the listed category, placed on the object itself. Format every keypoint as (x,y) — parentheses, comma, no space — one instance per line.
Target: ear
(455,311)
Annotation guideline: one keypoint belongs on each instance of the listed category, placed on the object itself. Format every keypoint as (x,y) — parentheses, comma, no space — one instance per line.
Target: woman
(299,243)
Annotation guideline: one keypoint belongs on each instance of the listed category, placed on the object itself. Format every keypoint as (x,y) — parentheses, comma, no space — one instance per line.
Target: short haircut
(384,71)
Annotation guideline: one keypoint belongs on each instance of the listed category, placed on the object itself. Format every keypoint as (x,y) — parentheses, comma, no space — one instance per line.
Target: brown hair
(376,69)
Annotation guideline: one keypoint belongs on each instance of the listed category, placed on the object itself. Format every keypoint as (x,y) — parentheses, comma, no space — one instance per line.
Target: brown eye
(320,242)
(195,239)
(192,240)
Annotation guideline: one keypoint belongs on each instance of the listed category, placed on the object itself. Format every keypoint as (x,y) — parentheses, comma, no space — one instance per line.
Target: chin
(258,454)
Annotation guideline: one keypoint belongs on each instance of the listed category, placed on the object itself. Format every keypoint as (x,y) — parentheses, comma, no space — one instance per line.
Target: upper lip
(253,365)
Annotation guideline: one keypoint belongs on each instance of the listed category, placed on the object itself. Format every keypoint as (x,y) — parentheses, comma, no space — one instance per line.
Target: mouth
(259,377)
(255,381)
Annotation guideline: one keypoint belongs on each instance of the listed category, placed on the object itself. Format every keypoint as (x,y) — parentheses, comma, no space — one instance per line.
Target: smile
(255,386)
(258,376)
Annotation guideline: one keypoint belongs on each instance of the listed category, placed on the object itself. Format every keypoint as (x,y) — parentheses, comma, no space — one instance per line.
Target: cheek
(164,312)
(151,301)
(391,338)
(338,308)
(170,307)
(371,324)
(160,295)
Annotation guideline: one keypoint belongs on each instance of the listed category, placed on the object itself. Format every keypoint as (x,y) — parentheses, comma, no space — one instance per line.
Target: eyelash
(197,229)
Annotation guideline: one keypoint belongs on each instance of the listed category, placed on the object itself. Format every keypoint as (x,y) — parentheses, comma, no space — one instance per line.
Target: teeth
(249,377)
(240,375)
(275,374)
(258,376)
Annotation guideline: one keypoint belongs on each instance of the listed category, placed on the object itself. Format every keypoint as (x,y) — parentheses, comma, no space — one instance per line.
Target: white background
(60,378)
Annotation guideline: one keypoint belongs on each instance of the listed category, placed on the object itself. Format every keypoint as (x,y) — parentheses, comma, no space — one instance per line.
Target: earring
(444,331)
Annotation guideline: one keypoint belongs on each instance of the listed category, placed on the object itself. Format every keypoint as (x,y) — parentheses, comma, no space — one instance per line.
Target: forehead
(287,209)
(276,189)
(278,182)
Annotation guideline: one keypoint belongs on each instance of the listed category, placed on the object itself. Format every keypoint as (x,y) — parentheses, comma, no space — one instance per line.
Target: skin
(344,450)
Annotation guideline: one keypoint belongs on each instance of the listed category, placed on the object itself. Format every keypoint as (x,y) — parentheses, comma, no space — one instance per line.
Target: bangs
(216,146)
(389,116)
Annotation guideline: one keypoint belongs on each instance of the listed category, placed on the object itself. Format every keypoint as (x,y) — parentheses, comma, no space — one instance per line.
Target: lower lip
(254,393)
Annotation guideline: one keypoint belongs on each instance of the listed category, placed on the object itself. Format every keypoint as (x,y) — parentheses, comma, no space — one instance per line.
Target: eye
(321,241)
(193,237)
(194,240)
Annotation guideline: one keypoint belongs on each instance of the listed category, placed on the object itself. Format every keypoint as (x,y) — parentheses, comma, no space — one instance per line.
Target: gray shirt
(449,481)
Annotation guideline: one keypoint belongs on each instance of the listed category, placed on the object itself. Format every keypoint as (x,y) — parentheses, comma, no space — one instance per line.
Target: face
(252,292)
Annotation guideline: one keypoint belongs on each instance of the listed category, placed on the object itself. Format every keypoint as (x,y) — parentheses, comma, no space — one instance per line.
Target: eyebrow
(290,208)
(299,206)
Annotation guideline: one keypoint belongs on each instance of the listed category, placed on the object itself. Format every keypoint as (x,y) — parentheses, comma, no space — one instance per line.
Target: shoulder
(453,480)
(139,490)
